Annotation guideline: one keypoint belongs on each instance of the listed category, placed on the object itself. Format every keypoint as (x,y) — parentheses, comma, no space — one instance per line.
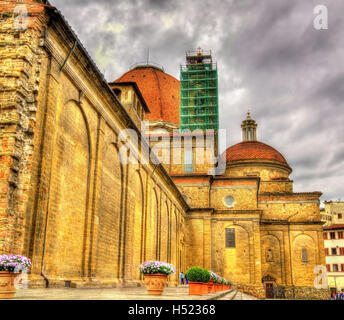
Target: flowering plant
(213,276)
(14,263)
(153,267)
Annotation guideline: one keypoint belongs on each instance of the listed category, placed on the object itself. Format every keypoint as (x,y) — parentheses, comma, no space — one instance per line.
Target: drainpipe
(46,215)
(68,56)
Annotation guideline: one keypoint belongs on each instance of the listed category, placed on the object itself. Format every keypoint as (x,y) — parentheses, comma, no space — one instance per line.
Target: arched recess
(271,257)
(109,214)
(152,228)
(68,195)
(164,232)
(133,223)
(174,241)
(302,270)
(138,225)
(237,259)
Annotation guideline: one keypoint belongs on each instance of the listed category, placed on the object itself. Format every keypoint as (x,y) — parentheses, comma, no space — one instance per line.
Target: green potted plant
(206,278)
(10,267)
(195,277)
(155,275)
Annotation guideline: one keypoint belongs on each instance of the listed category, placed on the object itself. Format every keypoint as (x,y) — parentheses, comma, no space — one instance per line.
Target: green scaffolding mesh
(199,97)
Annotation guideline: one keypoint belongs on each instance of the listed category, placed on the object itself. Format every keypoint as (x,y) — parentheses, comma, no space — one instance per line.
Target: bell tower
(249,129)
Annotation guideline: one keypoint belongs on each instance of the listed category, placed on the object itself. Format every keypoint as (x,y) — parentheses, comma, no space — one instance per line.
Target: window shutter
(328,267)
(325,235)
(326,252)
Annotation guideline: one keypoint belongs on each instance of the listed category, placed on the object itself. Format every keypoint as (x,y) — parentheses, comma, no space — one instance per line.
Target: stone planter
(195,288)
(155,283)
(7,289)
(211,286)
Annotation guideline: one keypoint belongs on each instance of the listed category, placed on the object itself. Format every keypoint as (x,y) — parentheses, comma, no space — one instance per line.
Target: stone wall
(20,66)
(67,202)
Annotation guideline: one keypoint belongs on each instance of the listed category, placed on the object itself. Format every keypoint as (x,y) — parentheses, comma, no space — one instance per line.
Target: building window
(230,238)
(229,201)
(333,251)
(339,216)
(332,235)
(340,234)
(188,162)
(304,255)
(328,268)
(269,256)
(325,235)
(326,252)
(335,268)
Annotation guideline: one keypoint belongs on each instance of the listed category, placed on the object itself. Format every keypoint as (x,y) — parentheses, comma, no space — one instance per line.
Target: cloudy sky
(270,58)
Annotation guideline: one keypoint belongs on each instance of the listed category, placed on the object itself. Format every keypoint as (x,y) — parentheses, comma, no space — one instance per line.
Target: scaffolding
(199,92)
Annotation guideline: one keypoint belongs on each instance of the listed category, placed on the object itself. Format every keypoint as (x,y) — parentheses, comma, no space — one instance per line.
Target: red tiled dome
(253,150)
(160,91)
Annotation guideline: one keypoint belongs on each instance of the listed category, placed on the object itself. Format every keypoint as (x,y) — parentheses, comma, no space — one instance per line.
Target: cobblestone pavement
(237,295)
(140,293)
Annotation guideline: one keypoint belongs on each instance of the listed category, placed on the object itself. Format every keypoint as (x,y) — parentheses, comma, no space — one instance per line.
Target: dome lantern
(249,129)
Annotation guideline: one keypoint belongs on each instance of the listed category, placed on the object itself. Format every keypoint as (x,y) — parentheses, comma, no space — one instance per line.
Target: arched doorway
(269,284)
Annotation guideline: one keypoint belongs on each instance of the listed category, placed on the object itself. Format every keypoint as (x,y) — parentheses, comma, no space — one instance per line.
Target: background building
(334,244)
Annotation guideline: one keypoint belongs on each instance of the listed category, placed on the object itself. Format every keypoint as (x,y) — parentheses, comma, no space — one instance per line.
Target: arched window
(188,162)
(269,255)
(118,93)
(304,255)
(230,238)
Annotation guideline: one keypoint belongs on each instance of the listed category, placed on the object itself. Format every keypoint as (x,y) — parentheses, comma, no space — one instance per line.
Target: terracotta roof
(160,91)
(334,226)
(253,150)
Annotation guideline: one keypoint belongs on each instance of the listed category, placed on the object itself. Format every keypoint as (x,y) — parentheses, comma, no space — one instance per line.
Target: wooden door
(269,290)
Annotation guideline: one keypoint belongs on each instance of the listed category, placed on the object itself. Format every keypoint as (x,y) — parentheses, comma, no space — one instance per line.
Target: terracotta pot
(205,288)
(195,288)
(155,283)
(7,289)
(211,286)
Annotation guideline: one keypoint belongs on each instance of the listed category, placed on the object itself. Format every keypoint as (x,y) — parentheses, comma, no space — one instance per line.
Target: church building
(87,219)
